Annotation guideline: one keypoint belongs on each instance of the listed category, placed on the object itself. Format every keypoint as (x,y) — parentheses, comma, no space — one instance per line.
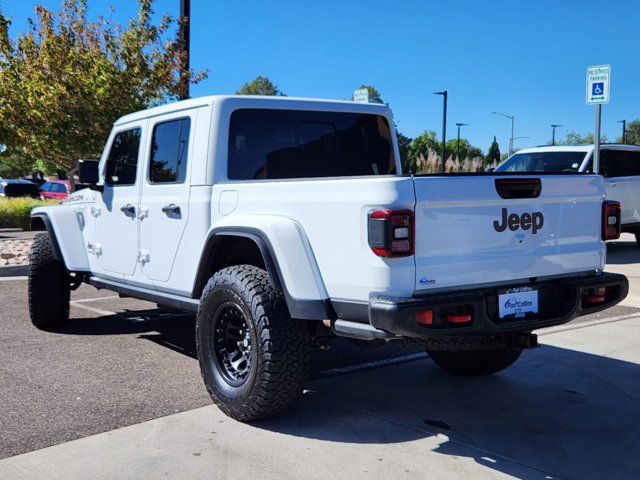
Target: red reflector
(457,318)
(400,246)
(592,299)
(424,317)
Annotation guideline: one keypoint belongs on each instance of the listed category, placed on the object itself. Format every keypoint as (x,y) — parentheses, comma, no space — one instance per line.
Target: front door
(164,207)
(116,243)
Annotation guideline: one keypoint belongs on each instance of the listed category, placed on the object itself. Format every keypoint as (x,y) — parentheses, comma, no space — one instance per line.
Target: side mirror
(88,173)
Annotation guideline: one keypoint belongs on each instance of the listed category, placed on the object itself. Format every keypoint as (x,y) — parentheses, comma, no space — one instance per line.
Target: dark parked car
(18,188)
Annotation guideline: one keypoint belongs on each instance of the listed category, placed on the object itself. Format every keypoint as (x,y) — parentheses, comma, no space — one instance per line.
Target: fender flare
(57,254)
(305,309)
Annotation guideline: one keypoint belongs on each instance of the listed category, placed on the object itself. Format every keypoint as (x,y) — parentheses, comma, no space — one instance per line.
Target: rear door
(621,169)
(482,229)
(164,209)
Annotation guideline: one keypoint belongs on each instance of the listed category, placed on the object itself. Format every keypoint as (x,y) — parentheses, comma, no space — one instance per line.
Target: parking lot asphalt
(123,362)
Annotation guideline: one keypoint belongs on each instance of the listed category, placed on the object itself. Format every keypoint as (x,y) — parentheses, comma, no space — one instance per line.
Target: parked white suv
(282,222)
(619,165)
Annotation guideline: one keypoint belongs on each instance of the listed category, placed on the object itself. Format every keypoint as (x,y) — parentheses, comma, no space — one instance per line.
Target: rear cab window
(619,163)
(284,144)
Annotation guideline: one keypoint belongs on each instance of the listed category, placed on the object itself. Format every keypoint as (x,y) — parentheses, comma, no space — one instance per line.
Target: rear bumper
(559,301)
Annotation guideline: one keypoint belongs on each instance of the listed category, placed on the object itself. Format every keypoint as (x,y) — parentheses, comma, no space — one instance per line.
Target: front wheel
(49,289)
(253,356)
(477,362)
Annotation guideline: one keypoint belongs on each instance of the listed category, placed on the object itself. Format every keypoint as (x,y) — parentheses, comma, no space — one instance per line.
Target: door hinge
(94,248)
(143,212)
(143,256)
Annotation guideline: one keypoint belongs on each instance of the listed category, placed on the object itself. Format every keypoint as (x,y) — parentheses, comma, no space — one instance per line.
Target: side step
(361,331)
(168,299)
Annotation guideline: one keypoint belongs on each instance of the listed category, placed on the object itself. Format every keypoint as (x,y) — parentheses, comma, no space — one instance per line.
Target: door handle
(172,208)
(128,209)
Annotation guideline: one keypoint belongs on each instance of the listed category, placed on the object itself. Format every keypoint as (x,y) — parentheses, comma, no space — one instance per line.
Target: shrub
(16,212)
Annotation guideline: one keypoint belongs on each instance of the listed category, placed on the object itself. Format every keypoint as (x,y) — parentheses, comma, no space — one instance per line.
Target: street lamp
(458,142)
(516,138)
(444,94)
(553,134)
(512,121)
(185,44)
(624,130)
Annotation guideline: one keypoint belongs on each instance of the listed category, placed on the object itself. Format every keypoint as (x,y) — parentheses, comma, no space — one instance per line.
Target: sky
(525,59)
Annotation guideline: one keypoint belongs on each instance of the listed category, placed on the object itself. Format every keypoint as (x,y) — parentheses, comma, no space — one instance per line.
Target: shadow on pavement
(558,410)
(623,252)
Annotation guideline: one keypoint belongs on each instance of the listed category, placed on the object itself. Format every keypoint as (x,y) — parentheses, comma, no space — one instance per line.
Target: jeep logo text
(526,221)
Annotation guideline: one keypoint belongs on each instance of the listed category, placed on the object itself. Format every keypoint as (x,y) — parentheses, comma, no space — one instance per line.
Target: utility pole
(185,43)
(553,135)
(458,142)
(444,94)
(512,118)
(624,130)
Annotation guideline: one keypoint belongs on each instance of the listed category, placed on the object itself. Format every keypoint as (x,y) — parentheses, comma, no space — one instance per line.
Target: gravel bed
(14,252)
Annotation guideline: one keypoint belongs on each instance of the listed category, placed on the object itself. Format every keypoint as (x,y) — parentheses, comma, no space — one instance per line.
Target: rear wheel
(254,358)
(48,284)
(477,362)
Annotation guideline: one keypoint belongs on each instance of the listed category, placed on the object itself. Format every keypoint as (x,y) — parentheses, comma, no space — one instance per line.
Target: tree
(420,146)
(575,138)
(493,154)
(66,79)
(260,86)
(475,152)
(451,148)
(404,143)
(633,133)
(374,94)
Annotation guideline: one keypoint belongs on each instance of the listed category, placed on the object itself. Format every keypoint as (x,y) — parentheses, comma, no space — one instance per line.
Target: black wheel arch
(214,257)
(42,222)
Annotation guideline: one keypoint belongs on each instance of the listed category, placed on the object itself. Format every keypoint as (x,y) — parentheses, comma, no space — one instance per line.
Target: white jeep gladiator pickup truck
(282,222)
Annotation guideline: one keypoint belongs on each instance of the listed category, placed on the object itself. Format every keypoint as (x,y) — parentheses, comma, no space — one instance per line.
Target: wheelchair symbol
(597,88)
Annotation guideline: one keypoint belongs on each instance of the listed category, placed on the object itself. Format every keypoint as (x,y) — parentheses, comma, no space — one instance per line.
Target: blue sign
(597,88)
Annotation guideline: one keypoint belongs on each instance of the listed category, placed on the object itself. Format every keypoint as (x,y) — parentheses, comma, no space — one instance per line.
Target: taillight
(391,232)
(611,224)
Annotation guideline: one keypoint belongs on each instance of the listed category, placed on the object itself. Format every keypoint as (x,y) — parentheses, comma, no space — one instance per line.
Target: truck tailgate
(474,229)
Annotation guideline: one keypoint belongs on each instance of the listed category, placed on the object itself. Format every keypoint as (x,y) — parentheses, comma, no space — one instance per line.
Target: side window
(620,163)
(169,151)
(122,163)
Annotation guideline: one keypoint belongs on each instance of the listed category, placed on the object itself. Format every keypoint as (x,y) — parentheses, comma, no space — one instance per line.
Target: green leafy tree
(260,86)
(420,146)
(475,152)
(633,133)
(66,79)
(374,94)
(493,154)
(451,148)
(575,138)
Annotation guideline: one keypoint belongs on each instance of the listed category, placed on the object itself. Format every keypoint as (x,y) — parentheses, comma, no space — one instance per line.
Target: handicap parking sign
(598,84)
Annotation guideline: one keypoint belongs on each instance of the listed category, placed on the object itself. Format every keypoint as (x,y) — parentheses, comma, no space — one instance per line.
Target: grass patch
(16,212)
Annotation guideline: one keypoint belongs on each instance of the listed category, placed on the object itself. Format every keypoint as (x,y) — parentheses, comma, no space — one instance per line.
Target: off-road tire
(279,352)
(48,285)
(477,362)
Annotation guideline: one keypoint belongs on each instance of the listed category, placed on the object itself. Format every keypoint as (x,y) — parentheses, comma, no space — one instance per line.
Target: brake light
(611,224)
(596,295)
(391,232)
(424,317)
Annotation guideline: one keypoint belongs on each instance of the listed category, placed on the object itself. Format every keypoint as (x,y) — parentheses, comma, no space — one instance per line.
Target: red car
(55,190)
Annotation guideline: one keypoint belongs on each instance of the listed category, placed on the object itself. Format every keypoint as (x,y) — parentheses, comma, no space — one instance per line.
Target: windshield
(543,162)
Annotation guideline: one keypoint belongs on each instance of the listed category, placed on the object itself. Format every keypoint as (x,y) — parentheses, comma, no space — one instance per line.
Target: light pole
(458,142)
(185,44)
(516,138)
(444,94)
(624,130)
(512,121)
(553,134)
